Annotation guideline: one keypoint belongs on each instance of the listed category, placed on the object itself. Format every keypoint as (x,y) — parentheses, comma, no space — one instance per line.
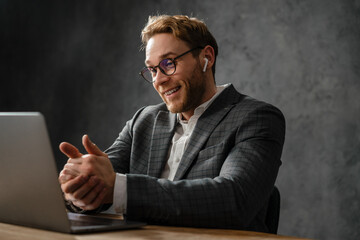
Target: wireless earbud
(206,63)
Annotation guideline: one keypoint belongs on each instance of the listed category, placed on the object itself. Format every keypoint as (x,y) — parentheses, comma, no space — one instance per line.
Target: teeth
(172,91)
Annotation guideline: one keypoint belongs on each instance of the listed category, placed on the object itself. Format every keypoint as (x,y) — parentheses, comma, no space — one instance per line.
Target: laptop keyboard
(79,223)
(85,220)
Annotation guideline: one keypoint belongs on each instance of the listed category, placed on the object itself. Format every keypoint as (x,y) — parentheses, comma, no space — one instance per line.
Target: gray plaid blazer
(225,176)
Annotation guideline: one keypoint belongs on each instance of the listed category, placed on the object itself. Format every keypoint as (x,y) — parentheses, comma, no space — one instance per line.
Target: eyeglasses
(167,66)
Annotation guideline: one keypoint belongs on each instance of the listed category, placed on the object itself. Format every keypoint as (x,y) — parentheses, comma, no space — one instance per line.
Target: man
(206,157)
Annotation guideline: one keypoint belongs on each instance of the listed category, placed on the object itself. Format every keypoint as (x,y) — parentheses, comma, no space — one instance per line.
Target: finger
(91,147)
(73,167)
(87,189)
(72,185)
(90,200)
(98,200)
(67,174)
(67,197)
(69,150)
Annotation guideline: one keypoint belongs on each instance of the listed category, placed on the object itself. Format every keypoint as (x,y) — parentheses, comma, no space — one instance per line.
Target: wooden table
(14,232)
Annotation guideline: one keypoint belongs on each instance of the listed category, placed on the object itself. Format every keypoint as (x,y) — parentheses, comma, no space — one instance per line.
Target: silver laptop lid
(29,189)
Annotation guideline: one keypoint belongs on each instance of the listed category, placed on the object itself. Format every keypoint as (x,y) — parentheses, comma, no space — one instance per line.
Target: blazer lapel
(160,142)
(205,126)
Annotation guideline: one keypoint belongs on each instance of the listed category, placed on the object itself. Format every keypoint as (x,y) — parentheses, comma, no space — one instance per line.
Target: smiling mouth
(172,91)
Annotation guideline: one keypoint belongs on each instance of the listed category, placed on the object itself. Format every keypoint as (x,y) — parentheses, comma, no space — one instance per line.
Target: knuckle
(95,204)
(89,168)
(88,208)
(69,187)
(66,189)
(67,167)
(88,164)
(68,197)
(89,158)
(61,179)
(83,201)
(76,195)
(79,203)
(87,171)
(91,183)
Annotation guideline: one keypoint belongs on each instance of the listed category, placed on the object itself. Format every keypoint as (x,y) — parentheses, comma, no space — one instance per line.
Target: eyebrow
(162,57)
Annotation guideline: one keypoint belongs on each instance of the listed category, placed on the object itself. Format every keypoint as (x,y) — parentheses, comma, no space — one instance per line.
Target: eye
(167,64)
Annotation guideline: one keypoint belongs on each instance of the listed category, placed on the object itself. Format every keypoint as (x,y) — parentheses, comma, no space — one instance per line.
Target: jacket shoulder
(150,111)
(244,103)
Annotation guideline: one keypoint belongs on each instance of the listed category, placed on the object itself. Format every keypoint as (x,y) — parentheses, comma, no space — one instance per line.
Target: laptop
(30,194)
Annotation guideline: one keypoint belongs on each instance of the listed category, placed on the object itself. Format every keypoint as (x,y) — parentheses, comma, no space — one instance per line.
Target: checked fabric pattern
(225,176)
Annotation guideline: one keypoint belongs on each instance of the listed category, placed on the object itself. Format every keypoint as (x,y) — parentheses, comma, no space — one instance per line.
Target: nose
(160,78)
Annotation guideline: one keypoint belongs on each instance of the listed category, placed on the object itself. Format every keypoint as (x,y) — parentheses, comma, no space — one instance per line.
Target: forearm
(218,203)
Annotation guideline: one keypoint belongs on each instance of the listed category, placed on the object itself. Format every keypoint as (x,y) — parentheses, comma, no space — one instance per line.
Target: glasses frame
(162,70)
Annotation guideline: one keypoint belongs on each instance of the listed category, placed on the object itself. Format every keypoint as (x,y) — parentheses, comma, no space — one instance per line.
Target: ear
(209,54)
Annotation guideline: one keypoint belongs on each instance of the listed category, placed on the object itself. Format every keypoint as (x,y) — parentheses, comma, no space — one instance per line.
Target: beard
(193,92)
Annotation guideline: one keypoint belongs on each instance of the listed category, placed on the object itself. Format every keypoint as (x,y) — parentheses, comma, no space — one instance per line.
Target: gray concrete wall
(78,63)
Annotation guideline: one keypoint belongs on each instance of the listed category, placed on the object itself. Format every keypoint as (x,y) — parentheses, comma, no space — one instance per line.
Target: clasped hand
(87,180)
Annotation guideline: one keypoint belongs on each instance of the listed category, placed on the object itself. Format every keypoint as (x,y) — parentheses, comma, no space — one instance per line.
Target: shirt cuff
(120,193)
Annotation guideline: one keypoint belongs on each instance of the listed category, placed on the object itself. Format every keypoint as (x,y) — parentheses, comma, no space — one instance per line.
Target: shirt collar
(201,109)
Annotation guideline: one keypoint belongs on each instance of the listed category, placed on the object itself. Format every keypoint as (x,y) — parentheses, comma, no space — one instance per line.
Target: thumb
(91,148)
(69,150)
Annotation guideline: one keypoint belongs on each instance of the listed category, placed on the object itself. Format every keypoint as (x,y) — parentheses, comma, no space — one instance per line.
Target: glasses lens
(146,73)
(168,66)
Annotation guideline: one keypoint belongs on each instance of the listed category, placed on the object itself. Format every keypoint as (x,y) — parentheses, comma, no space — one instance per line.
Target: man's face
(185,90)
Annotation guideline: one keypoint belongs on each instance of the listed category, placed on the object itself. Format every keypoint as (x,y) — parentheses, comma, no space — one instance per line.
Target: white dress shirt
(179,142)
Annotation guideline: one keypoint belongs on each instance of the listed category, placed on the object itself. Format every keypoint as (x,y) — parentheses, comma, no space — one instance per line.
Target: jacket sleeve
(120,151)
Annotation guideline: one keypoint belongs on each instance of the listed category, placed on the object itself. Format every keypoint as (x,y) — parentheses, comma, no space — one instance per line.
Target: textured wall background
(78,62)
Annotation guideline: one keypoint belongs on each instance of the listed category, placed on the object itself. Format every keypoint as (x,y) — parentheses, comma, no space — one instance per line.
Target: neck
(188,114)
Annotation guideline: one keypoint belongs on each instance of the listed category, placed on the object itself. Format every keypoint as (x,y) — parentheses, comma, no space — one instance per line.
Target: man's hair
(192,31)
